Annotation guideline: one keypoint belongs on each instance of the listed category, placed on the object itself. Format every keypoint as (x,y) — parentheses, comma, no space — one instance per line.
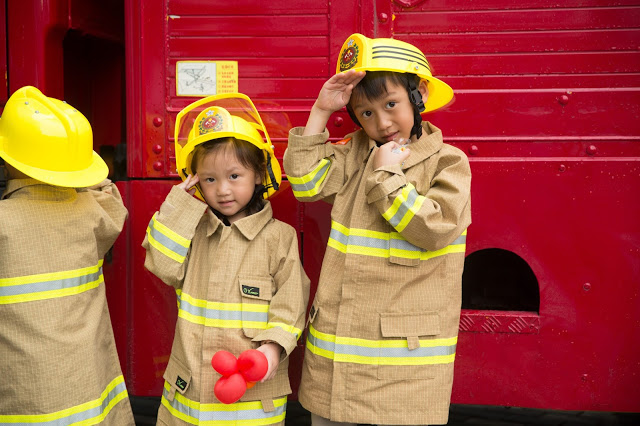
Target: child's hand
(272,351)
(189,184)
(390,153)
(334,95)
(336,91)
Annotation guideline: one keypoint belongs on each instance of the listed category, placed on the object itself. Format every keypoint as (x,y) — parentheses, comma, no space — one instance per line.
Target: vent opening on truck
(497,279)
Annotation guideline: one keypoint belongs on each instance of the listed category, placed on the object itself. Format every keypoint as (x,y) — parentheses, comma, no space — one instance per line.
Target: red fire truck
(547,108)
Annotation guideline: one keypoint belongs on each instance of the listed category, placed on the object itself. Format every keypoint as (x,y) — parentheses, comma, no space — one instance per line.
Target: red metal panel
(4,95)
(575,223)
(518,20)
(36,30)
(461,5)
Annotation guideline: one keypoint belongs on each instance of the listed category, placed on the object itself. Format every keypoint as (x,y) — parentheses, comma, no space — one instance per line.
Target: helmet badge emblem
(210,123)
(349,56)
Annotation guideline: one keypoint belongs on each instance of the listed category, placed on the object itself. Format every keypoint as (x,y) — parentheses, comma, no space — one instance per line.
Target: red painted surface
(547,107)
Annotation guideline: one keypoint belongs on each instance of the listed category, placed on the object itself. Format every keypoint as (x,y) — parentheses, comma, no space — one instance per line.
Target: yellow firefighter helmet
(361,53)
(223,116)
(49,140)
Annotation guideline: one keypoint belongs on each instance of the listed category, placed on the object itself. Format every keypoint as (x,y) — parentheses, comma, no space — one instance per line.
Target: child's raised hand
(189,184)
(272,351)
(336,91)
(390,153)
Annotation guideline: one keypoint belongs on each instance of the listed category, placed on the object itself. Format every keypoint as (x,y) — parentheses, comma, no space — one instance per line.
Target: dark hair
(249,155)
(374,85)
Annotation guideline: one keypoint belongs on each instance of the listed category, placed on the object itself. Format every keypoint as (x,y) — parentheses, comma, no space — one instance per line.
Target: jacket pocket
(256,295)
(178,376)
(412,327)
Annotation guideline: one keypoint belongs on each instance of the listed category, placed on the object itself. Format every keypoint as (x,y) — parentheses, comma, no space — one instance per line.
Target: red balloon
(230,389)
(253,365)
(224,363)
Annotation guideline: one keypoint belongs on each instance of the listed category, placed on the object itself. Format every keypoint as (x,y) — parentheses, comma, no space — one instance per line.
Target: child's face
(226,185)
(387,118)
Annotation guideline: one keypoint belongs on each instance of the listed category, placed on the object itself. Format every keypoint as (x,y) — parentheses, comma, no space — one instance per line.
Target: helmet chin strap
(416,100)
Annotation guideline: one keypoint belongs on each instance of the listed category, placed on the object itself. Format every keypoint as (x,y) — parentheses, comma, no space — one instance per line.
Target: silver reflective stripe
(226,315)
(224,413)
(97,411)
(298,185)
(51,285)
(344,349)
(404,208)
(166,241)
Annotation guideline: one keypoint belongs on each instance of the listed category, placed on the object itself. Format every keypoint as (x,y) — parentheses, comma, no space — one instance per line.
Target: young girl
(236,270)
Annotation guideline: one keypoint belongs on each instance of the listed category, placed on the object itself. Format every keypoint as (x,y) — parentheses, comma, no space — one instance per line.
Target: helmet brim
(92,175)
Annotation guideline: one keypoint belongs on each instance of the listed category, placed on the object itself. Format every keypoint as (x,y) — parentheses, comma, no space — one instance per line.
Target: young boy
(59,363)
(384,322)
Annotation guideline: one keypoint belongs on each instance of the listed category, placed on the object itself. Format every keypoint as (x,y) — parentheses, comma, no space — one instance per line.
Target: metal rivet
(562,168)
(586,287)
(591,149)
(158,165)
(383,17)
(157,121)
(473,150)
(26,102)
(564,99)
(338,121)
(37,112)
(157,148)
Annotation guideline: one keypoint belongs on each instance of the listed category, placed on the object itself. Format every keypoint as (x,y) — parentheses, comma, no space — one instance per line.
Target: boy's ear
(424,90)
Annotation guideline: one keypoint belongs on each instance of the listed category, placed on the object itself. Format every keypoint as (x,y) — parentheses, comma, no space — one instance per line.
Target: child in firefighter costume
(59,216)
(236,270)
(384,322)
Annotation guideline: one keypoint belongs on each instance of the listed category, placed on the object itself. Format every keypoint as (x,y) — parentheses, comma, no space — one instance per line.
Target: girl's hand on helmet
(189,184)
(336,91)
(390,153)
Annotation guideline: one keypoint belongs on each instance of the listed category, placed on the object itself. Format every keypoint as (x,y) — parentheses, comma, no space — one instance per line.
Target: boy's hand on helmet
(390,153)
(336,91)
(189,184)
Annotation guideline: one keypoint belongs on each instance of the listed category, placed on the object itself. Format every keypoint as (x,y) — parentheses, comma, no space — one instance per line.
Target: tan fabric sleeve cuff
(384,181)
(181,212)
(279,336)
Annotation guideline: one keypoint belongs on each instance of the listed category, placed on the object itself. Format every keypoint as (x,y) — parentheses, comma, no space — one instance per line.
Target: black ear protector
(272,176)
(416,100)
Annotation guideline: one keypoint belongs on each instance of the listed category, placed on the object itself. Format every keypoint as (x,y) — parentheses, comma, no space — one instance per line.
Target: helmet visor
(235,104)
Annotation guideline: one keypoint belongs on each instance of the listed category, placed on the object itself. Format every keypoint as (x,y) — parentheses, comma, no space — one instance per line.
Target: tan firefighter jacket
(236,286)
(58,359)
(384,322)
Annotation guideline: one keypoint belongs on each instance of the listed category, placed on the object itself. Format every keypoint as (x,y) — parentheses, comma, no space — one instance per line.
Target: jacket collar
(37,189)
(248,226)
(429,143)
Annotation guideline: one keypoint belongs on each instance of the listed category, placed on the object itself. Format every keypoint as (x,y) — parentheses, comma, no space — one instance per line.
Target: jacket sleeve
(169,235)
(431,219)
(289,303)
(315,169)
(112,216)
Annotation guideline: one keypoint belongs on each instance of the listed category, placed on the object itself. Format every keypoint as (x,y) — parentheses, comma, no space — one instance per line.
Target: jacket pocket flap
(405,325)
(256,288)
(177,375)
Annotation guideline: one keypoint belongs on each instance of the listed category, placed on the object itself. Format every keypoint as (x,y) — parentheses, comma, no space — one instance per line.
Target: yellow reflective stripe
(184,242)
(64,283)
(113,393)
(380,244)
(51,276)
(381,352)
(166,241)
(222,315)
(309,184)
(217,414)
(404,207)
(286,327)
